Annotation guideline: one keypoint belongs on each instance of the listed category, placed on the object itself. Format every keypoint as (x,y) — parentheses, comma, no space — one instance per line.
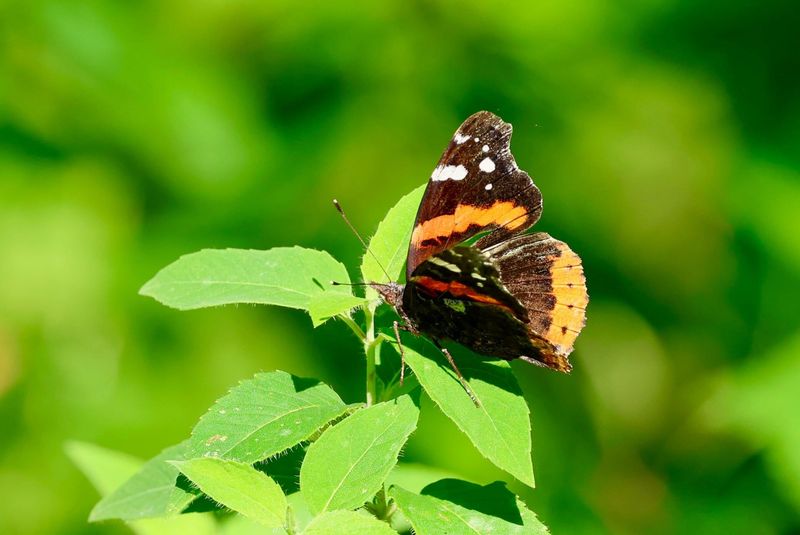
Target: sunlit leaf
(264,416)
(108,469)
(324,306)
(239,487)
(500,428)
(457,507)
(347,523)
(241,525)
(284,276)
(494,499)
(350,461)
(416,476)
(390,242)
(298,509)
(149,493)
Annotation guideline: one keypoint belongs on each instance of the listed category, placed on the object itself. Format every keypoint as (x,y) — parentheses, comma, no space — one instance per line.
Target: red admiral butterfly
(508,294)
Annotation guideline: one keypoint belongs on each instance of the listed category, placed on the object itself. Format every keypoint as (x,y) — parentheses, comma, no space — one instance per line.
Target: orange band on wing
(569,288)
(456,289)
(501,213)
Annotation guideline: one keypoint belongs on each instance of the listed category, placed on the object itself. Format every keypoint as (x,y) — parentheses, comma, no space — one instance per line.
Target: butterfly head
(391,293)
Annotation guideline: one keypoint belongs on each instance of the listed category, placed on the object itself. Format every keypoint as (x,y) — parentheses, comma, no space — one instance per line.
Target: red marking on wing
(456,289)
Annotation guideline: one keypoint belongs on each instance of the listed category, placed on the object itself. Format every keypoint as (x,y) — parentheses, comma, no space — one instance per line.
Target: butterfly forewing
(476,187)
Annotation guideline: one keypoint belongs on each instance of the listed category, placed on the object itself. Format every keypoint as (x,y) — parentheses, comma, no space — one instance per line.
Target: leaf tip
(96,514)
(146,289)
(179,465)
(150,289)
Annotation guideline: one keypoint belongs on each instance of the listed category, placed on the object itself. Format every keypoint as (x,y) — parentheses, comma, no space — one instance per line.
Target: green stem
(291,526)
(370,349)
(383,503)
(353,326)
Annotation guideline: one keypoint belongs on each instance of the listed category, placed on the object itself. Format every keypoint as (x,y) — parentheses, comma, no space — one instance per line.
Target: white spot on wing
(460,138)
(477,139)
(488,186)
(486,148)
(487,165)
(447,265)
(449,172)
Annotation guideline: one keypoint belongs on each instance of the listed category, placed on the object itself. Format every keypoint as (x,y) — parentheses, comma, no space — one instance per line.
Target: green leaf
(264,416)
(493,499)
(347,465)
(241,525)
(239,487)
(415,476)
(284,276)
(298,517)
(457,507)
(347,523)
(106,469)
(196,524)
(500,428)
(390,242)
(150,493)
(324,306)
(298,509)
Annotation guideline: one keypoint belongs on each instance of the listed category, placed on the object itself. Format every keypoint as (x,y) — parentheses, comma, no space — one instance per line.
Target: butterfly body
(437,303)
(509,295)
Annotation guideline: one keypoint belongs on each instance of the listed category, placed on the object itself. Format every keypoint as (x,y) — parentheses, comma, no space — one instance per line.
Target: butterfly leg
(461,379)
(533,361)
(396,326)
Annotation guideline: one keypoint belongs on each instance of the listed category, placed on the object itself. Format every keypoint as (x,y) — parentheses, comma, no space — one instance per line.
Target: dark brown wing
(523,298)
(465,273)
(476,187)
(547,278)
(457,295)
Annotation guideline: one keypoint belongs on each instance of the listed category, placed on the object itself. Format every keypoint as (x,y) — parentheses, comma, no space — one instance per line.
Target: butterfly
(508,294)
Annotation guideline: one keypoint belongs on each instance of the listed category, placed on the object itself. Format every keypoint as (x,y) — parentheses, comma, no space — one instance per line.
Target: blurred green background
(664,136)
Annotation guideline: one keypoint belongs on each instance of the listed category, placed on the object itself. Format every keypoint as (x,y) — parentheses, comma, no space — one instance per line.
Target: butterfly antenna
(349,224)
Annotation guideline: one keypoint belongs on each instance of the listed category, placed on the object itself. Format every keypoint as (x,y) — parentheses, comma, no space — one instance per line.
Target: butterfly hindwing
(457,295)
(477,186)
(547,278)
(465,273)
(522,298)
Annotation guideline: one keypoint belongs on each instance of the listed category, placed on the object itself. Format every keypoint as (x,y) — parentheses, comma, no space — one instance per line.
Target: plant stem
(383,503)
(291,527)
(370,348)
(353,326)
